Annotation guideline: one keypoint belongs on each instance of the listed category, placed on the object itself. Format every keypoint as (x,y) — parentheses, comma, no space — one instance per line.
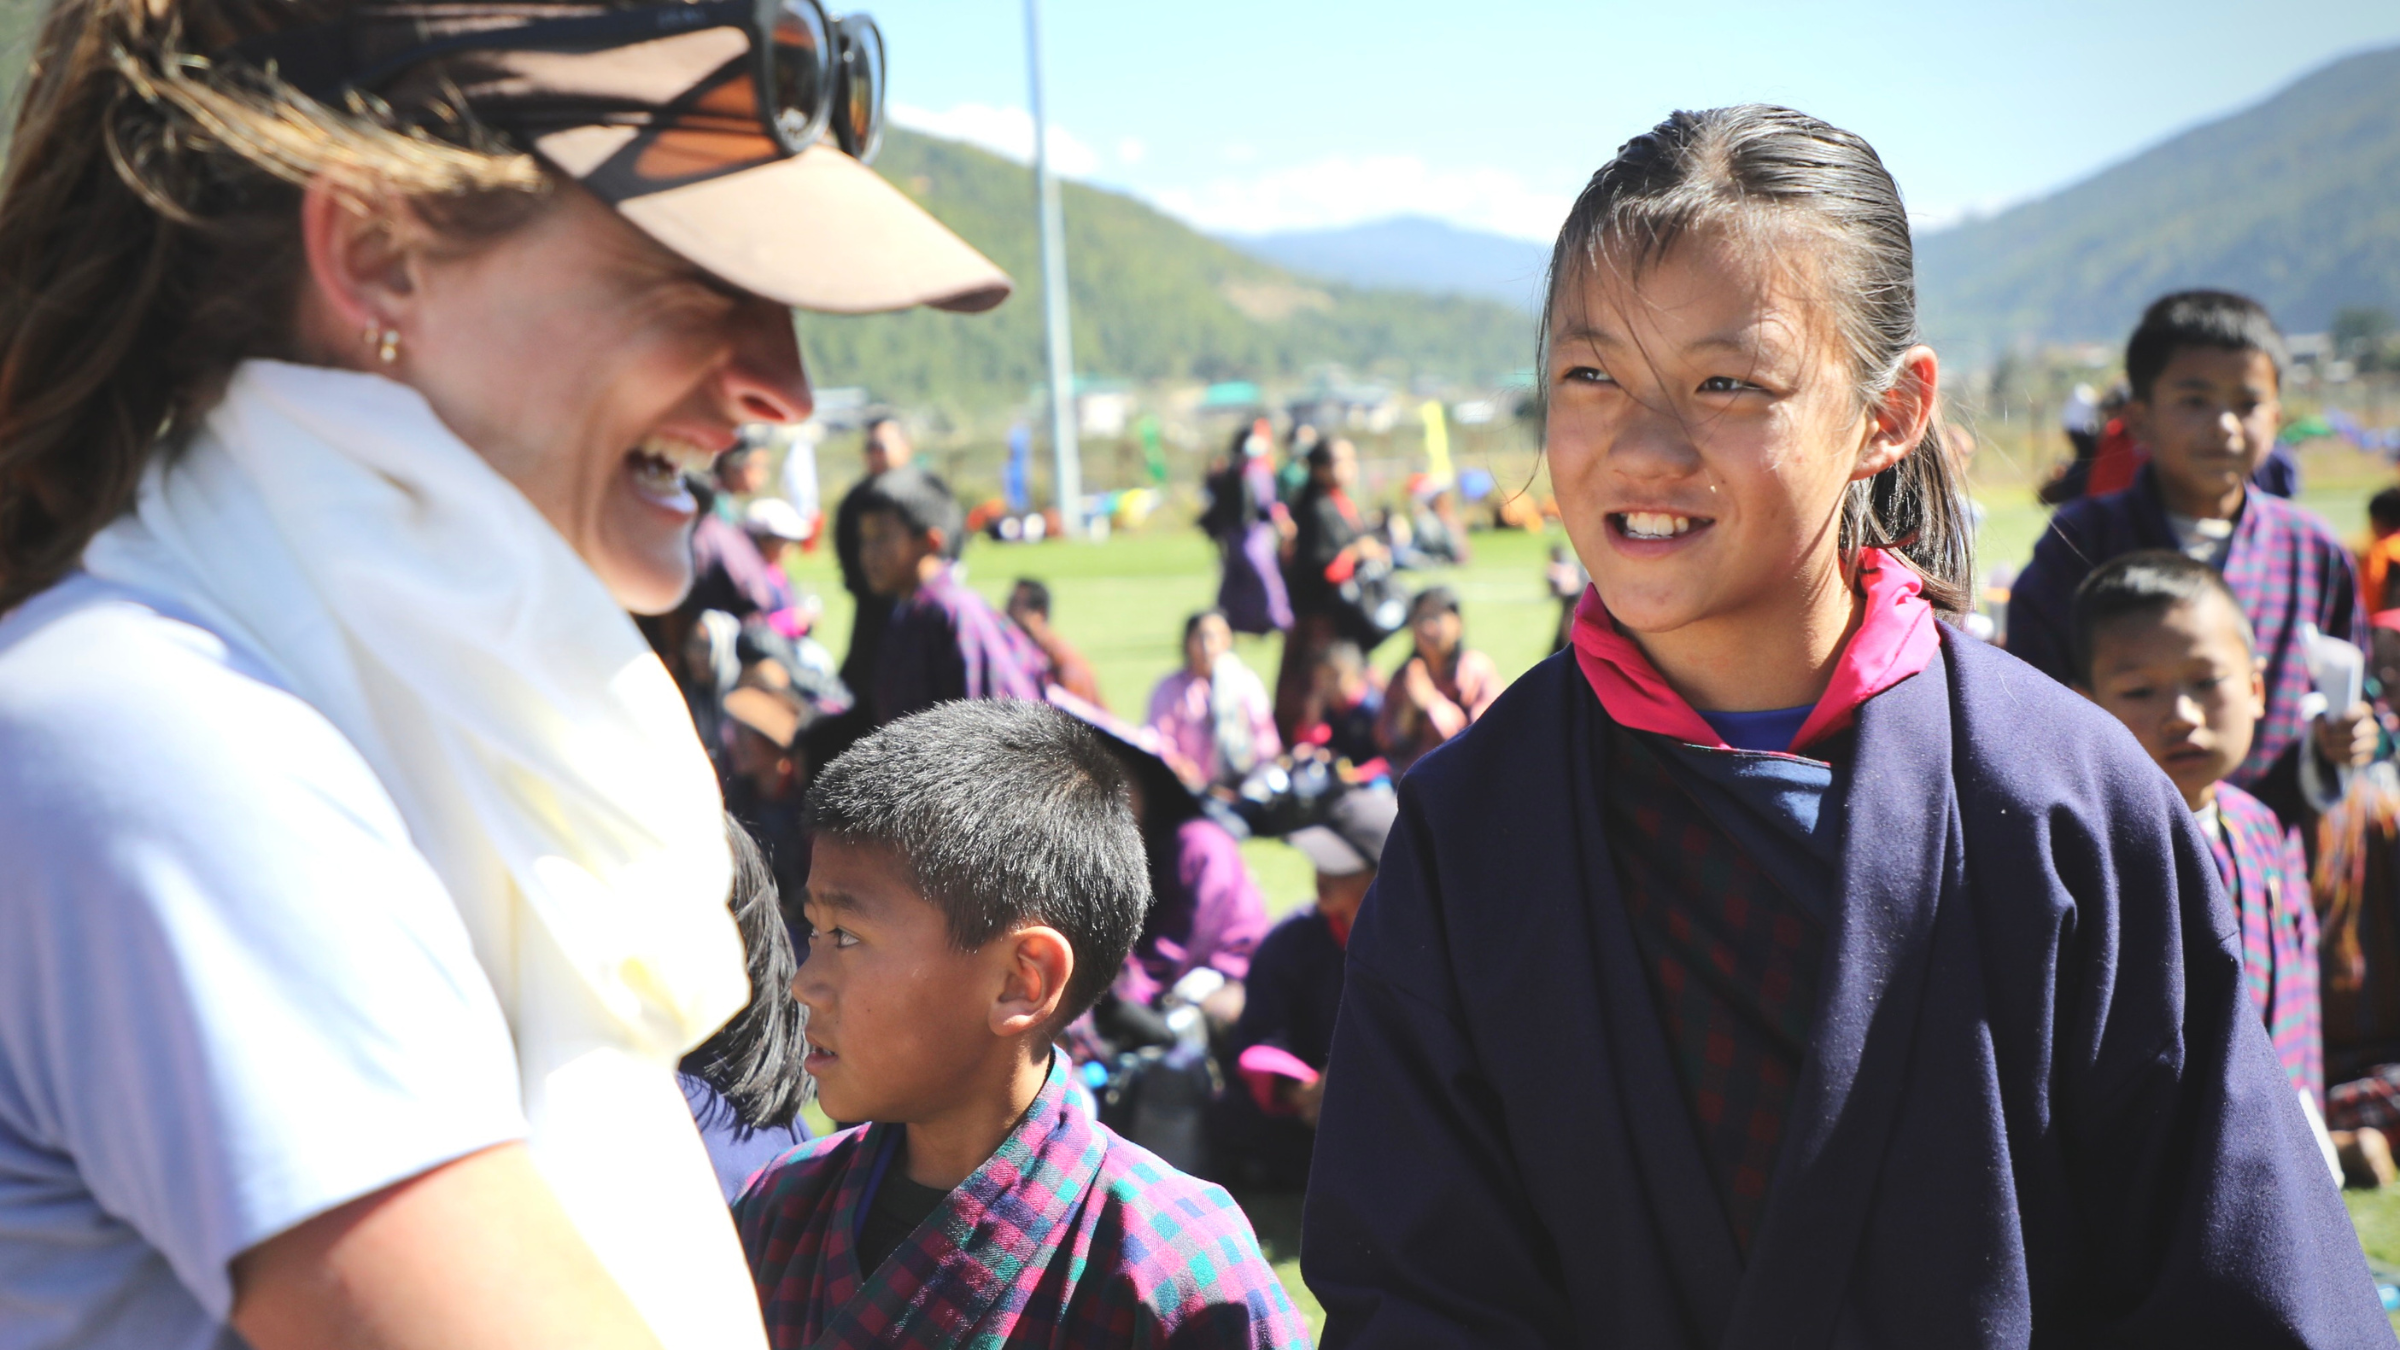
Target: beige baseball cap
(668,131)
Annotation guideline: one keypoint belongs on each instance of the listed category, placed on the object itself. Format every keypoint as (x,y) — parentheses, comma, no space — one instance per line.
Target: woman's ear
(362,255)
(1040,962)
(1897,422)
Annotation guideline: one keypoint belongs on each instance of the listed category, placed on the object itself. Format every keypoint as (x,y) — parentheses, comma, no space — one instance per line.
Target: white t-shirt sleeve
(231,991)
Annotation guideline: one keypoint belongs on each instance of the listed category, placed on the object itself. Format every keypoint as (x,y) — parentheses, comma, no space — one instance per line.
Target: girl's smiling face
(1704,422)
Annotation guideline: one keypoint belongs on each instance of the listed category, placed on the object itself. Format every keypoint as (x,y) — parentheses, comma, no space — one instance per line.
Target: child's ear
(937,541)
(2258,688)
(1898,421)
(1040,962)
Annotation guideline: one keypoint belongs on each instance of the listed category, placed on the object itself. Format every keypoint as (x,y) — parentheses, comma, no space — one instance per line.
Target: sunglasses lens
(858,107)
(803,72)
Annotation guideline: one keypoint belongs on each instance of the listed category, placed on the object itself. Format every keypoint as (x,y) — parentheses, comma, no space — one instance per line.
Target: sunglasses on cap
(814,74)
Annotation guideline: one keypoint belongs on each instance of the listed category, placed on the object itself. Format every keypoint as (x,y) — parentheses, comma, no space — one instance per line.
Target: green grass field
(1123,603)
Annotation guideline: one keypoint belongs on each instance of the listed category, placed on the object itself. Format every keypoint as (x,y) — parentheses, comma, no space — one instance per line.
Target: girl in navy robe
(1779,966)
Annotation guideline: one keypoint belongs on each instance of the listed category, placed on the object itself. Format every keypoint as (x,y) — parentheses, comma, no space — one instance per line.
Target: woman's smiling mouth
(659,466)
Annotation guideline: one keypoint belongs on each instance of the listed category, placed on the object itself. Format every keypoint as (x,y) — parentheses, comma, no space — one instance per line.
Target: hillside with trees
(2295,200)
(1153,299)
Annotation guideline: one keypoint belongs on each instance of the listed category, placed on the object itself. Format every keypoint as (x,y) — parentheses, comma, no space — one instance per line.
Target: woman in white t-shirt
(363,878)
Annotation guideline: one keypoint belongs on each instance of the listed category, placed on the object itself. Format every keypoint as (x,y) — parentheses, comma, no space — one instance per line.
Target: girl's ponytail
(1918,509)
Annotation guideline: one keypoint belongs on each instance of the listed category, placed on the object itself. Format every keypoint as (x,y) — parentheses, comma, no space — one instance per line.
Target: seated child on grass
(1266,1125)
(1346,704)
(2161,644)
(978,880)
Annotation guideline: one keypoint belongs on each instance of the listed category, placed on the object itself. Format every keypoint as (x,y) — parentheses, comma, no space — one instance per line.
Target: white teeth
(654,473)
(1655,524)
(679,454)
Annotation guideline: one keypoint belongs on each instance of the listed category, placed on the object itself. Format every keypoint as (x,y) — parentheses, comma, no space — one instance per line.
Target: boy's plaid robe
(2266,877)
(2284,565)
(1068,1236)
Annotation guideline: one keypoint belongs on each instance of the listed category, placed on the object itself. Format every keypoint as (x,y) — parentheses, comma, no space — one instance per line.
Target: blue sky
(1247,115)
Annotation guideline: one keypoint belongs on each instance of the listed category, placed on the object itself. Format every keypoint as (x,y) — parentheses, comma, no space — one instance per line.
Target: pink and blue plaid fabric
(2284,564)
(1067,1237)
(2267,877)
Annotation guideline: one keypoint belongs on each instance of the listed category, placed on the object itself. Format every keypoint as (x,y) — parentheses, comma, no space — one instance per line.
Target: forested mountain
(2295,200)
(1153,299)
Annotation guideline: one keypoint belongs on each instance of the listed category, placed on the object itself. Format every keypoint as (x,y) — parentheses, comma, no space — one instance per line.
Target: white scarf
(541,755)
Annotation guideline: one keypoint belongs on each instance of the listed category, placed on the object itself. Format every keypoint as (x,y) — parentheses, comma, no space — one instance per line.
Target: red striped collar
(1896,638)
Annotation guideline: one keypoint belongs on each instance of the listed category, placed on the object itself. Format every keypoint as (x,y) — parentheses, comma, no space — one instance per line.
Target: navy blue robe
(2284,565)
(2036,1106)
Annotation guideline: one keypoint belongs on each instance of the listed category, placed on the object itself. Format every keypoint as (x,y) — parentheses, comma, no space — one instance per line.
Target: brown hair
(1757,171)
(150,241)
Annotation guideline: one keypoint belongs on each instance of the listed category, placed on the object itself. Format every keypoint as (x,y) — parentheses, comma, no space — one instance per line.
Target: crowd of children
(1038,969)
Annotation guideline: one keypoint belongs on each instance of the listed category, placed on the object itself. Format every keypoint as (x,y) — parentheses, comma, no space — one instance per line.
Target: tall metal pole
(1067,457)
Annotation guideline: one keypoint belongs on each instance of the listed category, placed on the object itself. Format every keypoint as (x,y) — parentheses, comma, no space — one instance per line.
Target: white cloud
(1941,216)
(1344,190)
(1130,150)
(1003,131)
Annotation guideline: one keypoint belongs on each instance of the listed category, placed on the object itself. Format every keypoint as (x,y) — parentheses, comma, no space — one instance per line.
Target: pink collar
(1896,638)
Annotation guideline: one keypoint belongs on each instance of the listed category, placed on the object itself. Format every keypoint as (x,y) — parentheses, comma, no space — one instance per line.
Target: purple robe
(1205,910)
(946,643)
(729,573)
(2266,876)
(1252,593)
(2035,1107)
(1068,1236)
(2284,564)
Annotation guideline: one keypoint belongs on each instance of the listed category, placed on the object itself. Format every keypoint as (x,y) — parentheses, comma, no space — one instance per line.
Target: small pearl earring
(387,347)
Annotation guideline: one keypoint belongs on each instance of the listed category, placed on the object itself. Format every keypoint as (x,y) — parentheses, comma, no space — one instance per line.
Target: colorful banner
(1437,445)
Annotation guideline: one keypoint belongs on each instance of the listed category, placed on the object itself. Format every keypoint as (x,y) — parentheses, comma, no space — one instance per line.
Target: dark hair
(754,1060)
(1433,597)
(1761,170)
(920,499)
(150,240)
(1192,624)
(2144,585)
(2218,319)
(1035,594)
(1320,455)
(1006,813)
(2384,508)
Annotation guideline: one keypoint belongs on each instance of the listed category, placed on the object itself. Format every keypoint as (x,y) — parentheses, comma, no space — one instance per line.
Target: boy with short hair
(978,879)
(2205,370)
(2160,643)
(942,640)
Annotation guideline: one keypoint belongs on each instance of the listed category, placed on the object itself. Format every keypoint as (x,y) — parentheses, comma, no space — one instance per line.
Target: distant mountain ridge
(2294,200)
(1154,299)
(1412,253)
